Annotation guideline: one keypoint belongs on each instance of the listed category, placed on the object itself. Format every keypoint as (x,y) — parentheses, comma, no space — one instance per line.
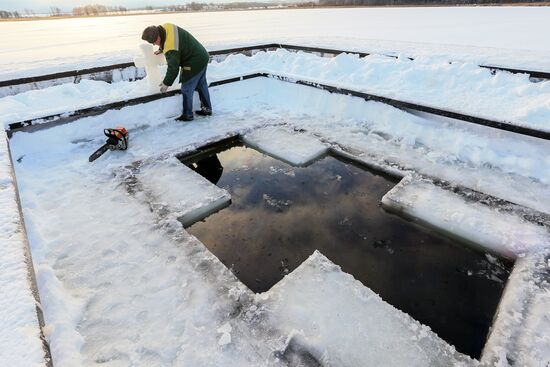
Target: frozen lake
(482,34)
(123,283)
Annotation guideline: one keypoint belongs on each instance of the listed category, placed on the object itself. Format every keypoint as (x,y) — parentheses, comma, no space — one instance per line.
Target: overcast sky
(40,6)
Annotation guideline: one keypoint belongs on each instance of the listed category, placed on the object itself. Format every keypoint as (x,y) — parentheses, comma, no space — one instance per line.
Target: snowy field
(123,284)
(508,36)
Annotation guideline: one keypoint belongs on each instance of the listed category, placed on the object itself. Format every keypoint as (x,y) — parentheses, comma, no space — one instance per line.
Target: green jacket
(183,50)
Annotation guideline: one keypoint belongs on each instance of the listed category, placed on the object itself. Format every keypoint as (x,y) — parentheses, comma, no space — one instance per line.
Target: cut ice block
(340,322)
(294,148)
(187,194)
(505,234)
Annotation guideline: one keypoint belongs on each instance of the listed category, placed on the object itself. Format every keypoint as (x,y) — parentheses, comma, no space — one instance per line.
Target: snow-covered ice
(137,266)
(143,258)
(122,283)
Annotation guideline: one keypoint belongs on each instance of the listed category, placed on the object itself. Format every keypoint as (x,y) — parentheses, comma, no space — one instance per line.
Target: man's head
(151,34)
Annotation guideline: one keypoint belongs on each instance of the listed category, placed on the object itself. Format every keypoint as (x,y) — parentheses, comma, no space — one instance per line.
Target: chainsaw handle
(117,138)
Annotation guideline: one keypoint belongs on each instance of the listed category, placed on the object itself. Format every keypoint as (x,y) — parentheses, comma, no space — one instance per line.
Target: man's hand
(163,88)
(158,52)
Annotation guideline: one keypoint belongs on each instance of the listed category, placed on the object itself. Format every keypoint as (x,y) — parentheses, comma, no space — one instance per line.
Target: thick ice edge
(20,342)
(340,322)
(481,225)
(298,149)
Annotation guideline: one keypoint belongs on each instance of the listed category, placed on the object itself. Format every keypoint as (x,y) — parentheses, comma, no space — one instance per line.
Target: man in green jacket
(182,50)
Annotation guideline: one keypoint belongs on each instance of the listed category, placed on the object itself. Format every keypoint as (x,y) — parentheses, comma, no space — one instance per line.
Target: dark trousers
(198,83)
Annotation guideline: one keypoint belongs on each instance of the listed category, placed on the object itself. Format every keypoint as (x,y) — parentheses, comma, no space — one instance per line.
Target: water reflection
(280,214)
(209,167)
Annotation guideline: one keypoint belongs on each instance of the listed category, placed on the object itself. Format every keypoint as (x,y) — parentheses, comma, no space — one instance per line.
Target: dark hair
(150,34)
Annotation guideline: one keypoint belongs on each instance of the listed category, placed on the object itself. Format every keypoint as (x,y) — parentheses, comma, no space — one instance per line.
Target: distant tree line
(96,9)
(9,14)
(15,14)
(420,2)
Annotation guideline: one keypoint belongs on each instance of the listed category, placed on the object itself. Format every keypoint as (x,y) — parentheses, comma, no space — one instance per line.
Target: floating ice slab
(187,194)
(502,233)
(340,322)
(292,147)
(20,343)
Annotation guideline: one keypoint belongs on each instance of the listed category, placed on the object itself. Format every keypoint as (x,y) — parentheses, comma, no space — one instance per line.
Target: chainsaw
(117,139)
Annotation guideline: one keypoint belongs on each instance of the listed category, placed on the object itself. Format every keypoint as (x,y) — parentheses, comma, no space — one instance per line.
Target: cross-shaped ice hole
(151,63)
(280,214)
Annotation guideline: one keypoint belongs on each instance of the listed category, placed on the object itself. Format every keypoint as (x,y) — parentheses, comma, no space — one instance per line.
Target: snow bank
(20,342)
(340,322)
(503,233)
(296,149)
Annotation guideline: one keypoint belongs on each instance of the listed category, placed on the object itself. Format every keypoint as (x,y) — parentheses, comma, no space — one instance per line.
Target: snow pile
(340,322)
(186,194)
(503,233)
(20,343)
(299,150)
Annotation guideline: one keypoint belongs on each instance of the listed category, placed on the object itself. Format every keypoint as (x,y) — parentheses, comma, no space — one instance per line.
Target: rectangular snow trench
(280,214)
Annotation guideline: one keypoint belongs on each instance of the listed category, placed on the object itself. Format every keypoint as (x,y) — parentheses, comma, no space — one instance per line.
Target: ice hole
(280,214)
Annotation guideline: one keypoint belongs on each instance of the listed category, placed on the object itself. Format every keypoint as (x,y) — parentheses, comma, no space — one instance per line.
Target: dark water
(280,214)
